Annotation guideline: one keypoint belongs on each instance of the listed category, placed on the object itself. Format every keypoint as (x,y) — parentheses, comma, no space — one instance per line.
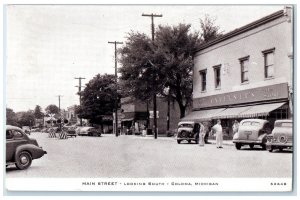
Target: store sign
(266,93)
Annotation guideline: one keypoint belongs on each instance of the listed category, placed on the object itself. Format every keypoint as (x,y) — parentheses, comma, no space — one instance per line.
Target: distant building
(71,115)
(246,73)
(134,115)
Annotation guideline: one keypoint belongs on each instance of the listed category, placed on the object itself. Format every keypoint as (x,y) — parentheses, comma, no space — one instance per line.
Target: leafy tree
(38,114)
(169,58)
(26,118)
(52,109)
(98,98)
(11,117)
(209,30)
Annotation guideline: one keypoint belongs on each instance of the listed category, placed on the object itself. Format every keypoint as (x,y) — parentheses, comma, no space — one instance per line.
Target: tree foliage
(149,67)
(52,109)
(98,98)
(26,118)
(11,117)
(38,114)
(209,30)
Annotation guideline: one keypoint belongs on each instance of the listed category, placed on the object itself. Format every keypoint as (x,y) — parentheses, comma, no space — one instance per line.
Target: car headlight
(282,139)
(269,138)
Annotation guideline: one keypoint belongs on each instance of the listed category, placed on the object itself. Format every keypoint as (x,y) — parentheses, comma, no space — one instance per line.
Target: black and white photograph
(169,98)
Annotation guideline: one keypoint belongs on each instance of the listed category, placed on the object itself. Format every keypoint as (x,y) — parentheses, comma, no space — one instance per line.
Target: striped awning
(201,115)
(230,113)
(261,110)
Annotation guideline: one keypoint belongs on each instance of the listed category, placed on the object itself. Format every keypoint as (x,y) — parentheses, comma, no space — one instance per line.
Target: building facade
(134,115)
(246,73)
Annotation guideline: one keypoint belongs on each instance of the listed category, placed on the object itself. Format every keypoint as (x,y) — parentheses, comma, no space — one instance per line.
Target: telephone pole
(116,80)
(59,102)
(154,75)
(79,93)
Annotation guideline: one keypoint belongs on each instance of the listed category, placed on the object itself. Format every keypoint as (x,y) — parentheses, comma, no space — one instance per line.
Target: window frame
(242,60)
(217,67)
(203,72)
(265,53)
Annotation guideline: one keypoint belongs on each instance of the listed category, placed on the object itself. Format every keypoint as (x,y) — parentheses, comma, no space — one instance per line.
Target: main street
(144,157)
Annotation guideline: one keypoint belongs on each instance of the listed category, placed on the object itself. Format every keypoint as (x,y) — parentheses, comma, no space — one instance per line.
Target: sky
(47,46)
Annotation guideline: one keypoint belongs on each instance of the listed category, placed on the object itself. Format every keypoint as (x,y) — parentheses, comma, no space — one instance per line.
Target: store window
(203,80)
(269,62)
(244,69)
(217,71)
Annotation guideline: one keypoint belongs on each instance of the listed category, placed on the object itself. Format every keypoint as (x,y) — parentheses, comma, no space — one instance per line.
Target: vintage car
(89,131)
(252,132)
(20,149)
(70,130)
(186,132)
(282,136)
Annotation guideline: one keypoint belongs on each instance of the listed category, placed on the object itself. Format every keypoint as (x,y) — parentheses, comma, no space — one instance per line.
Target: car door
(10,151)
(18,139)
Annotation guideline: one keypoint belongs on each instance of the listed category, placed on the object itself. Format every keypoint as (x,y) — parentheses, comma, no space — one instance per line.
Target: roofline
(242,29)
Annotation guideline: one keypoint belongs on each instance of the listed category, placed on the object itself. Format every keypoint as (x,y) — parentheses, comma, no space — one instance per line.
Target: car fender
(35,151)
(263,138)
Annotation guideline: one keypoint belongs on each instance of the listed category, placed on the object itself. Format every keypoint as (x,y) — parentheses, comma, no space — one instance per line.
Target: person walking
(235,126)
(218,130)
(202,135)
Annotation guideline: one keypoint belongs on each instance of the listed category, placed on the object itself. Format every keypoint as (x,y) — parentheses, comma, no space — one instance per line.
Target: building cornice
(242,29)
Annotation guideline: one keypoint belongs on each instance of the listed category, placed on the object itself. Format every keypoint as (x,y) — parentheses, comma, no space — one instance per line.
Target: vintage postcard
(174,98)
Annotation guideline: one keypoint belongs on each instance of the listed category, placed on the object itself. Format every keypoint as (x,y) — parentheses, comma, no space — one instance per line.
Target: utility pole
(116,80)
(154,75)
(59,110)
(79,92)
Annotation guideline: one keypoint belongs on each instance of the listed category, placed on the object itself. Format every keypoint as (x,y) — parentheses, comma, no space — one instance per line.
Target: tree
(25,118)
(38,114)
(11,117)
(98,98)
(208,28)
(52,109)
(169,58)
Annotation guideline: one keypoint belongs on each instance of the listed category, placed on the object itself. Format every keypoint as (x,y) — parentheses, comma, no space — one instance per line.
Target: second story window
(269,63)
(244,69)
(217,70)
(203,80)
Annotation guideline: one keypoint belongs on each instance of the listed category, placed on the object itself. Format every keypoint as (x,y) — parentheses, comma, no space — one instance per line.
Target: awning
(261,110)
(201,115)
(127,120)
(232,112)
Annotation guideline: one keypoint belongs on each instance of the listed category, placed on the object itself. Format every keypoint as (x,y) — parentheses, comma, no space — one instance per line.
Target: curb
(227,143)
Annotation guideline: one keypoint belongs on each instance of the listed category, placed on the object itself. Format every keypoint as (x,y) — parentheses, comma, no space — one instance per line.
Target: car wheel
(263,146)
(178,141)
(23,160)
(238,146)
(280,148)
(251,146)
(271,149)
(189,141)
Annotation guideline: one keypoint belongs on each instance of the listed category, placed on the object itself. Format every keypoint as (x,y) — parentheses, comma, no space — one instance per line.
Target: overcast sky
(48,46)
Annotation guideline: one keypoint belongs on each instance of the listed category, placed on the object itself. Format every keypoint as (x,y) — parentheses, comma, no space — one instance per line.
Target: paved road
(136,156)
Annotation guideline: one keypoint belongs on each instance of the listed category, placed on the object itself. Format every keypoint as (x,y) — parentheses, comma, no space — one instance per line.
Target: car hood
(185,129)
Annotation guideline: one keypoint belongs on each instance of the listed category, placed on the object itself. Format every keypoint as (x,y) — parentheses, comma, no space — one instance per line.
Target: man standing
(235,127)
(202,134)
(218,130)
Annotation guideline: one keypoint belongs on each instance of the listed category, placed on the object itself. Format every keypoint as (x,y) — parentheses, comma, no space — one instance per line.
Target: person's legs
(217,140)
(221,140)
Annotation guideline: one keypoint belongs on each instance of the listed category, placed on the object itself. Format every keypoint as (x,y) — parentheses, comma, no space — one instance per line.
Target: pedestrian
(235,126)
(196,132)
(202,135)
(218,130)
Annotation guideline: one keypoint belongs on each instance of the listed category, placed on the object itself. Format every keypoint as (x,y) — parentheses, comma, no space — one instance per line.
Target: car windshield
(286,124)
(249,123)
(185,125)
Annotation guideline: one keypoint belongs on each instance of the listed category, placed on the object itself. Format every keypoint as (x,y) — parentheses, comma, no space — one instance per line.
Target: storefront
(268,102)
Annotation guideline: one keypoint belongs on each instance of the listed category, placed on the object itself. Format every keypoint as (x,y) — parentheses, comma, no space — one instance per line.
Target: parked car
(71,130)
(282,135)
(252,132)
(186,132)
(20,149)
(90,131)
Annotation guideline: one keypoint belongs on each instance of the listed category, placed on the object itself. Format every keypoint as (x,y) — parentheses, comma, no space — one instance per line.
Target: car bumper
(277,145)
(248,141)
